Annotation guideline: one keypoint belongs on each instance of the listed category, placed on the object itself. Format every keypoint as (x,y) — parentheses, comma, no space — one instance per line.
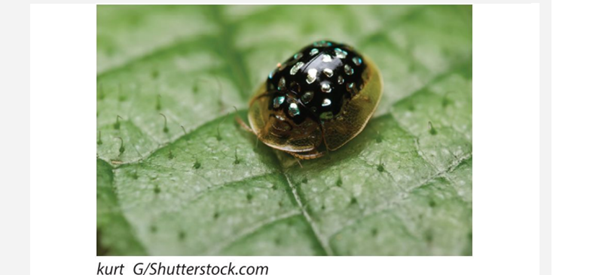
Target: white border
(63,122)
(577,136)
(506,152)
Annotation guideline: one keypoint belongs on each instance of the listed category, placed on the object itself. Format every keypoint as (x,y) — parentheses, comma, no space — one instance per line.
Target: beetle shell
(317,100)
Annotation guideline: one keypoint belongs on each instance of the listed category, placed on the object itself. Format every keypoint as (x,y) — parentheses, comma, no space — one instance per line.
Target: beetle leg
(248,129)
(299,162)
(244,125)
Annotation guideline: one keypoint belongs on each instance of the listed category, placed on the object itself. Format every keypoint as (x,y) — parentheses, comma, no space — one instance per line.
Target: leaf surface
(178,176)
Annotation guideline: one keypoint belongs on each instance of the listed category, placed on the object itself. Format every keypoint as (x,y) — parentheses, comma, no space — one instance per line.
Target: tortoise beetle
(316,101)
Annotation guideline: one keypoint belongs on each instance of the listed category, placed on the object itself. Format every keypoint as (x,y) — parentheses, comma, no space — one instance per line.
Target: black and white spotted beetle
(317,100)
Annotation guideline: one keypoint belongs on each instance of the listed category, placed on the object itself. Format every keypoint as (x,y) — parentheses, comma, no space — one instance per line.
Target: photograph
(284,130)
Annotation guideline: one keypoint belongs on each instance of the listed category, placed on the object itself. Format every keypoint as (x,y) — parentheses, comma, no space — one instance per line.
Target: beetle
(316,101)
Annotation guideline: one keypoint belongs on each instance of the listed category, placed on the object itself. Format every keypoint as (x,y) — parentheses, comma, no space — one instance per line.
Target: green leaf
(178,176)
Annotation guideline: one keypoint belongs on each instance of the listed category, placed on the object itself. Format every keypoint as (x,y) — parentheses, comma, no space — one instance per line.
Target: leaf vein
(323,242)
(250,230)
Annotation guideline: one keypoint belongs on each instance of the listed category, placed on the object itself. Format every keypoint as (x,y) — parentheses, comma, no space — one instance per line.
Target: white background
(505,149)
(577,137)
